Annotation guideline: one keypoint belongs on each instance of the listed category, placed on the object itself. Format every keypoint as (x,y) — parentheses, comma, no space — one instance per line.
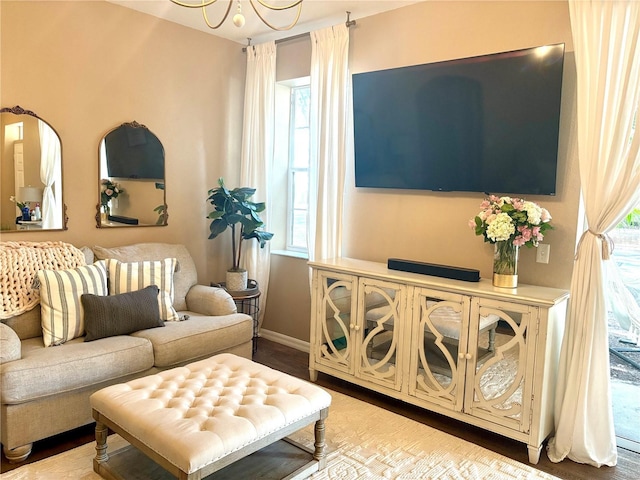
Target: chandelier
(238,18)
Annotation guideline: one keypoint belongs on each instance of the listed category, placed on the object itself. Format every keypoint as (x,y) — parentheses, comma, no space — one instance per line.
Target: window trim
(291,171)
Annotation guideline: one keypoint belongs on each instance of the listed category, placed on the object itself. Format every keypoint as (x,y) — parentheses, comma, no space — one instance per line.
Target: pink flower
(536,234)
(519,241)
(485,204)
(472,223)
(518,203)
(525,232)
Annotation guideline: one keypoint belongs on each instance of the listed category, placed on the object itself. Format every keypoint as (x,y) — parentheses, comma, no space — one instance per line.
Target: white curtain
(50,158)
(257,152)
(607,50)
(330,124)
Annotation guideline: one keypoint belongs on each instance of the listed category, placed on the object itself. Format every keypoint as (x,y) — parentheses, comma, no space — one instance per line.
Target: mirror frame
(18,110)
(98,216)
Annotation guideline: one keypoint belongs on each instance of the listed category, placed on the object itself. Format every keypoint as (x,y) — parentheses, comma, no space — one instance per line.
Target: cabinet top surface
(484,288)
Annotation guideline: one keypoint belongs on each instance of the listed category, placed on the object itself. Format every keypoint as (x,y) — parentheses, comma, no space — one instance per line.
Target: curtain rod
(349,23)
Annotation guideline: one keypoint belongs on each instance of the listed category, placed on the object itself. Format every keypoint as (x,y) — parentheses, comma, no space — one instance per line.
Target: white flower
(507,219)
(534,213)
(545,216)
(500,228)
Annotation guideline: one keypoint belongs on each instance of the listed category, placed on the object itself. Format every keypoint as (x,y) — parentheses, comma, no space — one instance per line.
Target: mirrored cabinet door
(336,311)
(499,386)
(440,336)
(31,173)
(131,186)
(379,331)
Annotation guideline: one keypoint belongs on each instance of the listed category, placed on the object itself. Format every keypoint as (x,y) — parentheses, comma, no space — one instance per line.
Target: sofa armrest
(10,346)
(210,301)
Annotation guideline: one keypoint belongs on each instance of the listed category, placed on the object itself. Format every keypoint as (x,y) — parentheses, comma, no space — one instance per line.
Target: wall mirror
(131,184)
(31,173)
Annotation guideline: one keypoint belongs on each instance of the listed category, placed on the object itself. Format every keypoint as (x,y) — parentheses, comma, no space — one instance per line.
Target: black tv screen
(480,124)
(134,152)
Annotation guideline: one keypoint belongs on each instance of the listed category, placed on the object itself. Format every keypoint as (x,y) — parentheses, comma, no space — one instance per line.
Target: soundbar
(121,219)
(445,271)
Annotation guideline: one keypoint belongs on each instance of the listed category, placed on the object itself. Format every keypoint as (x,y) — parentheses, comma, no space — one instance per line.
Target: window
(298,169)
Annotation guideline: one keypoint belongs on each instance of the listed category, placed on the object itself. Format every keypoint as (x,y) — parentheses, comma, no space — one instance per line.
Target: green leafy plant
(632,220)
(20,205)
(161,210)
(233,209)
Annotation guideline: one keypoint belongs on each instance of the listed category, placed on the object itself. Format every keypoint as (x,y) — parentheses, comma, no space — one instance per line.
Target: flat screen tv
(480,124)
(134,152)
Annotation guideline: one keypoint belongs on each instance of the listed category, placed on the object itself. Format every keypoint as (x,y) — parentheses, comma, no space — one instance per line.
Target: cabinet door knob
(352,326)
(461,355)
(357,328)
(468,356)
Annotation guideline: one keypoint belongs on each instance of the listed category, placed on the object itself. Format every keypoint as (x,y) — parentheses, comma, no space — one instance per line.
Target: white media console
(480,354)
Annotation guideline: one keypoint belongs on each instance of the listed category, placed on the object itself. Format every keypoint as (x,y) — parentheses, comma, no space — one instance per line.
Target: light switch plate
(542,254)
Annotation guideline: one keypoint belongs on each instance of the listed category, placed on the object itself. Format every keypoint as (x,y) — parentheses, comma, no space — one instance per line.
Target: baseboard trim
(285,340)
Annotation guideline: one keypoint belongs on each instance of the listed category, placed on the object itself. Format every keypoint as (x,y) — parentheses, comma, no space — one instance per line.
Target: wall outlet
(542,253)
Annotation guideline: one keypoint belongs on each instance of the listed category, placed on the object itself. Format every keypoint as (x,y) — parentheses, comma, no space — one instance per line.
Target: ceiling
(315,14)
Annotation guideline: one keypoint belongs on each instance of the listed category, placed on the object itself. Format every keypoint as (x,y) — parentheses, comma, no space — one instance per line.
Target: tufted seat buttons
(196,414)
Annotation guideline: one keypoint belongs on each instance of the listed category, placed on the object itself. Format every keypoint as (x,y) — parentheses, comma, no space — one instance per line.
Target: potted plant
(234,209)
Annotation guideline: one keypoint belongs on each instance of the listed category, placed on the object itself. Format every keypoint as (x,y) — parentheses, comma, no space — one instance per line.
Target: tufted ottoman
(197,419)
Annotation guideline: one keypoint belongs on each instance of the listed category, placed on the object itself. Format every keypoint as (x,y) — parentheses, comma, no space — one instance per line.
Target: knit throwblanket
(19,265)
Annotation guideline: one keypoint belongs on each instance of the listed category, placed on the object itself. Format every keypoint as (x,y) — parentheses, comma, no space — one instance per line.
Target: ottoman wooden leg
(319,432)
(101,443)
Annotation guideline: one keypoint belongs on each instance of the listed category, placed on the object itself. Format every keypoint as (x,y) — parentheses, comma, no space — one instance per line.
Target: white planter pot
(236,280)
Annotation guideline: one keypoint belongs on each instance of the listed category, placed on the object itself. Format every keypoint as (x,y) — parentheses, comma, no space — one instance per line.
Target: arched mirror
(131,184)
(31,173)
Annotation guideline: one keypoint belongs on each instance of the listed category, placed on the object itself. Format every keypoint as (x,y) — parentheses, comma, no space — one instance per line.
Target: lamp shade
(30,194)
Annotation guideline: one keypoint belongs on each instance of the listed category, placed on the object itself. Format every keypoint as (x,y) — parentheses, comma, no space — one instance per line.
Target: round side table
(248,302)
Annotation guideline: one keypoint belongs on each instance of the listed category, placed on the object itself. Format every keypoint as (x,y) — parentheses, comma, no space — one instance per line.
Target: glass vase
(505,264)
(104,214)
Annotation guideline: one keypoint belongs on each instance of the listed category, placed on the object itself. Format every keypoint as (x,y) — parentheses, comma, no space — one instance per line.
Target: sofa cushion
(27,324)
(9,344)
(197,337)
(183,279)
(76,364)
(133,276)
(112,315)
(210,301)
(62,314)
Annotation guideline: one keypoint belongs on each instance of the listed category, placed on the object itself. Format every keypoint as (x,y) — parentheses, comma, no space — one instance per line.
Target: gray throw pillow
(107,316)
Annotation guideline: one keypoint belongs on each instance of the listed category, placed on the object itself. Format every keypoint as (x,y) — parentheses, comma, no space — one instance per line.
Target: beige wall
(432,226)
(86,67)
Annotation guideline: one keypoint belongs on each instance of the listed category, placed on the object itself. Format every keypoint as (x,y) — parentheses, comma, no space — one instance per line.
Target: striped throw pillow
(61,311)
(130,277)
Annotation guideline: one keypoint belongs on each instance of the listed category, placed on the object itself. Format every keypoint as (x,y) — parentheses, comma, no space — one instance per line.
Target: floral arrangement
(110,190)
(515,220)
(20,205)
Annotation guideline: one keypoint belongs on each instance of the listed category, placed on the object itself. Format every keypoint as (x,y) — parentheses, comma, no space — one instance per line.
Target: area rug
(364,442)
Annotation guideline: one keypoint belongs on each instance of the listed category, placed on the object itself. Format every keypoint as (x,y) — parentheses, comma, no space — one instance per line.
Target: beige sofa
(45,390)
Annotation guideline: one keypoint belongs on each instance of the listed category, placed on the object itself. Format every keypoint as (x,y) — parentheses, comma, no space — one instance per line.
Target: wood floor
(296,363)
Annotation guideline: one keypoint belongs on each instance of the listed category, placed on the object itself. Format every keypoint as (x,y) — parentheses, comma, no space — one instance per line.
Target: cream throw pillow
(130,277)
(61,311)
